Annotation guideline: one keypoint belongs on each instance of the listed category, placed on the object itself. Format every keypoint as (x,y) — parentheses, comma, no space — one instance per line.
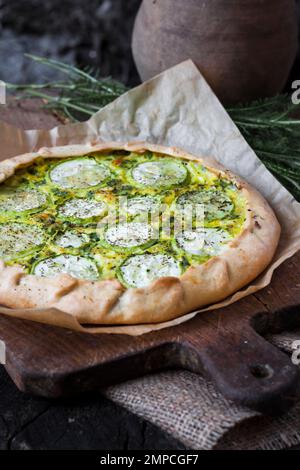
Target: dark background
(94,33)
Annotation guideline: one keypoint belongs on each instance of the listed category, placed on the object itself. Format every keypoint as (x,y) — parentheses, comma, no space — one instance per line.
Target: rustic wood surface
(28,114)
(222,344)
(82,424)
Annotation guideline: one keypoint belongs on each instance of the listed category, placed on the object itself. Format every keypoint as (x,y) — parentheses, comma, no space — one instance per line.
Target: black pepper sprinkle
(257,224)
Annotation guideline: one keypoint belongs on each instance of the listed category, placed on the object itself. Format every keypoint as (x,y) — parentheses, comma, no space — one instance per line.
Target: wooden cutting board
(225,345)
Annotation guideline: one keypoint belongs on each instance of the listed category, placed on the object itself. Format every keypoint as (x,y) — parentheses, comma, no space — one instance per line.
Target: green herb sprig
(79,96)
(272,129)
(270,126)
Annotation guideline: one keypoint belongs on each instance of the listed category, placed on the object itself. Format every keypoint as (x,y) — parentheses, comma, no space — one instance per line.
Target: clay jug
(244,48)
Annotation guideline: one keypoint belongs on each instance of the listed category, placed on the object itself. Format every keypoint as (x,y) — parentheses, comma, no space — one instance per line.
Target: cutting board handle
(246,368)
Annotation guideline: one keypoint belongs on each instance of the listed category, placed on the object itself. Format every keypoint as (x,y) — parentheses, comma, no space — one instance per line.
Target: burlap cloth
(189,408)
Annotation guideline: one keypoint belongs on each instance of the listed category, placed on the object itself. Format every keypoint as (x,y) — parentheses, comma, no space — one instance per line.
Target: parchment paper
(175,108)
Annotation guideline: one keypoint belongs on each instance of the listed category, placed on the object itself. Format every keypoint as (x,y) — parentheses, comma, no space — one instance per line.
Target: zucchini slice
(141,270)
(81,209)
(19,239)
(72,239)
(139,205)
(163,173)
(203,241)
(129,236)
(77,266)
(79,173)
(217,205)
(18,201)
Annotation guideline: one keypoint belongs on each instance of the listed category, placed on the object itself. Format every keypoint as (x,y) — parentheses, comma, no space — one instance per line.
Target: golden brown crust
(108,302)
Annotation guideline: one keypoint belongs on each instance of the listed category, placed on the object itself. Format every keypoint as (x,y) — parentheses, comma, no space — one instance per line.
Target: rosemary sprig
(78,97)
(269,125)
(272,130)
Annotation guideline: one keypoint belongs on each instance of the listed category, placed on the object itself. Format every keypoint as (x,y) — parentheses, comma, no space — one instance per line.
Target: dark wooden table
(89,423)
